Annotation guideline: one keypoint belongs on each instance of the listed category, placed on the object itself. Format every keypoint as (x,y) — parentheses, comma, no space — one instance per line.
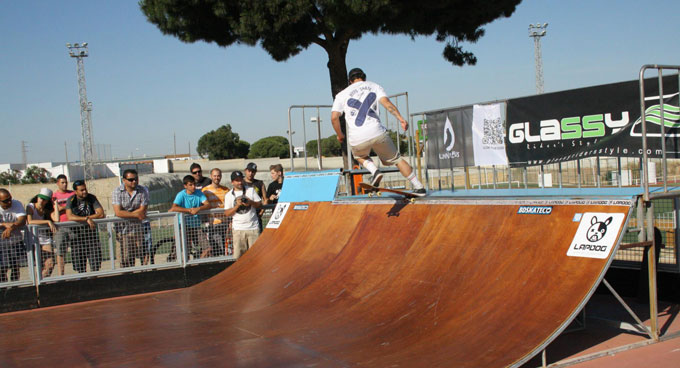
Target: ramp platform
(441,283)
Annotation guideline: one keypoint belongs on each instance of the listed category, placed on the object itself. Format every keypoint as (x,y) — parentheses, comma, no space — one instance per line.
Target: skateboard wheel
(379,193)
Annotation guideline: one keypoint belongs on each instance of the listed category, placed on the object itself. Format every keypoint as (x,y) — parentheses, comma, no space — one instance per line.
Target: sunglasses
(7,200)
(132,179)
(197,171)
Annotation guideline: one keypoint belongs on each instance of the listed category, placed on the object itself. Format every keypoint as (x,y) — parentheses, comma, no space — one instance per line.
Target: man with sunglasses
(197,173)
(130,202)
(12,220)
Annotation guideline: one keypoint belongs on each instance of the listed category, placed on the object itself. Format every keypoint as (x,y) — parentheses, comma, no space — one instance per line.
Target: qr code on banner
(493,131)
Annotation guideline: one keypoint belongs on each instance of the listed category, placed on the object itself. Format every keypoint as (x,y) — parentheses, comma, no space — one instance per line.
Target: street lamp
(536,32)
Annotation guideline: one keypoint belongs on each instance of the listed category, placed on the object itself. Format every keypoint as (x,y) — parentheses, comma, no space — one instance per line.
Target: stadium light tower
(536,32)
(80,51)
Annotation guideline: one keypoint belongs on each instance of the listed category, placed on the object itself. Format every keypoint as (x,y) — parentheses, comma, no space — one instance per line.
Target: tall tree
(286,27)
(275,146)
(222,144)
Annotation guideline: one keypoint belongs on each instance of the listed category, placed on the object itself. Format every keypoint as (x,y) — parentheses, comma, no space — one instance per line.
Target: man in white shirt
(359,103)
(242,204)
(12,221)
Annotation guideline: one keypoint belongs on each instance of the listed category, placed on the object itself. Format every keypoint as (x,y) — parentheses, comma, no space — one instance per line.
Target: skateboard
(371,190)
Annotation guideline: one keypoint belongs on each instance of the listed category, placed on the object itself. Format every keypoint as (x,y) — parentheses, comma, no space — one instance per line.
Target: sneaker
(376,178)
(420,192)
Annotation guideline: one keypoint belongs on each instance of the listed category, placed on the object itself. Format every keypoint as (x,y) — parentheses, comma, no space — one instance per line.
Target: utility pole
(24,159)
(174,145)
(536,32)
(80,51)
(66,153)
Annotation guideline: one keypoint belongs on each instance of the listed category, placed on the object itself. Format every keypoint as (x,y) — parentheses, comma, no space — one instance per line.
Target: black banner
(450,139)
(595,121)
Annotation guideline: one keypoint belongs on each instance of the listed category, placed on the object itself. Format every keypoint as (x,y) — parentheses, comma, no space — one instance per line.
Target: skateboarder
(359,103)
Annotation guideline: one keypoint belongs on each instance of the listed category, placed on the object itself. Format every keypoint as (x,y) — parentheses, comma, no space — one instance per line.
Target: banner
(449,141)
(595,121)
(487,135)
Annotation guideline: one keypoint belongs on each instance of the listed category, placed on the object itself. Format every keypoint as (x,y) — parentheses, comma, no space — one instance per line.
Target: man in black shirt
(197,173)
(274,189)
(84,207)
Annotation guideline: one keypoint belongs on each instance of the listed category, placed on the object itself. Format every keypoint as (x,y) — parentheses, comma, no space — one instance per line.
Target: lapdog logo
(597,229)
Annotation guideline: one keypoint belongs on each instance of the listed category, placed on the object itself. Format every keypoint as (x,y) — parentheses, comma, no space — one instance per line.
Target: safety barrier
(116,246)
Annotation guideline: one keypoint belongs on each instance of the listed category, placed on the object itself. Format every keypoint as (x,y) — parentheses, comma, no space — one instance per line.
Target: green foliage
(285,28)
(11,177)
(222,144)
(276,146)
(34,175)
(329,147)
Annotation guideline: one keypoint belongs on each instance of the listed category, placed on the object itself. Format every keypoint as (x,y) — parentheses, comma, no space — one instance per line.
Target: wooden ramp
(366,283)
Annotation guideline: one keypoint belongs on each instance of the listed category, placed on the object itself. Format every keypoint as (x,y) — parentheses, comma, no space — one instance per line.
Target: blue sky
(145,86)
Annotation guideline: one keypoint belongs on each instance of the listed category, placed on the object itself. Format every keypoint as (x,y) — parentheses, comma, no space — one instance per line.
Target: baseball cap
(236,175)
(45,194)
(251,166)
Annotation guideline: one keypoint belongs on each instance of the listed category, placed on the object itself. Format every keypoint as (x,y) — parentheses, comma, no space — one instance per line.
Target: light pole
(80,51)
(536,32)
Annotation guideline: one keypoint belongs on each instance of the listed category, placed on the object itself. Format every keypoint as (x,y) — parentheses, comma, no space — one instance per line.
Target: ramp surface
(370,283)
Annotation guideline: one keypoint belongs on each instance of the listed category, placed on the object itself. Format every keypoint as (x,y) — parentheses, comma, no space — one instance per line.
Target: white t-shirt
(12,214)
(245,218)
(44,234)
(359,102)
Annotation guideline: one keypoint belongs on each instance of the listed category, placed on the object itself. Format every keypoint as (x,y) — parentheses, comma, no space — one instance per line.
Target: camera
(244,200)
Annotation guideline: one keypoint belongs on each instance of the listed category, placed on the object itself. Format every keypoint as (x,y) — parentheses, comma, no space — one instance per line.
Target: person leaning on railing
(12,221)
(84,207)
(130,201)
(40,211)
(190,201)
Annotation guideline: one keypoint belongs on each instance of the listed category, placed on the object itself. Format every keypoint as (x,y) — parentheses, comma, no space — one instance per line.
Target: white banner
(488,135)
(278,215)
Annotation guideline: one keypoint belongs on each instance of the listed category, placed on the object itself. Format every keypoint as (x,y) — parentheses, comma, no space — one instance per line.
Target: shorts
(382,145)
(243,240)
(62,238)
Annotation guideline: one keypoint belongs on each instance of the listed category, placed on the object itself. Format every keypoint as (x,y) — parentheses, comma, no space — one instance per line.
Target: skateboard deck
(368,188)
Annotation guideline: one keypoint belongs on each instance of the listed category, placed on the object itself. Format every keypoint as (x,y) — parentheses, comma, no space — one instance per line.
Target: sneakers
(420,192)
(377,177)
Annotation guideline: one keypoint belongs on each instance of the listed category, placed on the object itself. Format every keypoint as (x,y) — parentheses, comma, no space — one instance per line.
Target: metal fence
(116,246)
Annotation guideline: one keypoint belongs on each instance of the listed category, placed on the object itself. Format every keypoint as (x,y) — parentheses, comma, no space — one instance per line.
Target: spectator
(85,245)
(130,201)
(274,188)
(40,211)
(197,172)
(12,220)
(63,236)
(190,201)
(258,185)
(217,230)
(241,203)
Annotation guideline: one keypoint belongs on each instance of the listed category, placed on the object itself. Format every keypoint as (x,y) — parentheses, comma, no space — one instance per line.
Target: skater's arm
(394,111)
(335,119)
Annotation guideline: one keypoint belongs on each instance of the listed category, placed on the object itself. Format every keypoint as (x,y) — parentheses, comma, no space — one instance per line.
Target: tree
(34,175)
(10,177)
(270,147)
(285,28)
(329,147)
(222,144)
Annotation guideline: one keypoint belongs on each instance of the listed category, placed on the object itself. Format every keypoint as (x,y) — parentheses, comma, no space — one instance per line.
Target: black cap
(356,73)
(251,166)
(236,174)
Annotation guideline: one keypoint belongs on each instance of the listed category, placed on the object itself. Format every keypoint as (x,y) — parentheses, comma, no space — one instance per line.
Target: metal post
(643,118)
(651,269)
(662,112)
(304,137)
(578,172)
(290,141)
(559,174)
(597,179)
(318,137)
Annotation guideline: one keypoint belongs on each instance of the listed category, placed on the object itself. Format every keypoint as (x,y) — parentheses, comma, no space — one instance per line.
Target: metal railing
(116,246)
